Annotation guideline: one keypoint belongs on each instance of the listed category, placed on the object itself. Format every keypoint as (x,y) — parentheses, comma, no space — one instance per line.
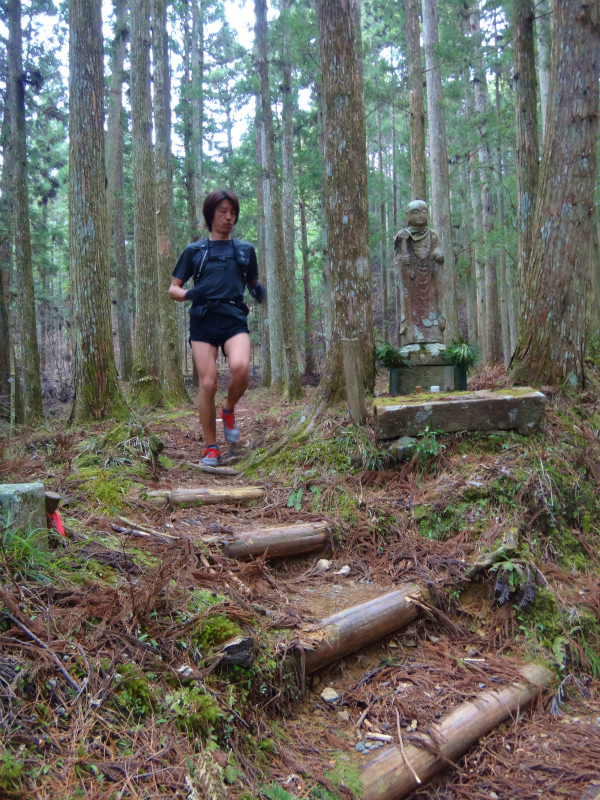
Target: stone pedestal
(428,368)
(23,508)
(520,409)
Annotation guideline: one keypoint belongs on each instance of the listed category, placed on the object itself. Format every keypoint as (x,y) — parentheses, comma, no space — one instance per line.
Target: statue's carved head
(416,214)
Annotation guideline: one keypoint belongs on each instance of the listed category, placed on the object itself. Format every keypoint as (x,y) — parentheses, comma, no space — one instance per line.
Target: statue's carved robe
(421,290)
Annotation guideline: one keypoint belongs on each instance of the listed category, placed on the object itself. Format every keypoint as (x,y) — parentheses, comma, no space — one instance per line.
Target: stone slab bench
(520,409)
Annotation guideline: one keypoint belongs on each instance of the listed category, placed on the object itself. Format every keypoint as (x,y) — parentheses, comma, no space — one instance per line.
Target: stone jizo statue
(420,258)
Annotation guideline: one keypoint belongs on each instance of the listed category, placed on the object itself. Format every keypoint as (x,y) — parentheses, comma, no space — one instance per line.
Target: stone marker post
(23,508)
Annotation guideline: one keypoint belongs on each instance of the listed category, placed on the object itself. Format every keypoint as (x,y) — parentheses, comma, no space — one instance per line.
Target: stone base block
(23,507)
(426,377)
(424,354)
(520,409)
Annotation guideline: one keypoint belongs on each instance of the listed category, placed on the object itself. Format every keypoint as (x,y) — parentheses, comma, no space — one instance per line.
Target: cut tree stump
(388,775)
(362,625)
(288,540)
(202,495)
(520,409)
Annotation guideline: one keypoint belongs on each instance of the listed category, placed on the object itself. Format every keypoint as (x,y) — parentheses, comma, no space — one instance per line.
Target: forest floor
(143,706)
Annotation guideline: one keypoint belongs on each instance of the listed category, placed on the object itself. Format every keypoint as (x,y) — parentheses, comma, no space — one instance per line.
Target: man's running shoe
(210,456)
(230,429)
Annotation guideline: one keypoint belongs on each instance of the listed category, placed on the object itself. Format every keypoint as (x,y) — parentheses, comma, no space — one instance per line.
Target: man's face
(417,217)
(224,218)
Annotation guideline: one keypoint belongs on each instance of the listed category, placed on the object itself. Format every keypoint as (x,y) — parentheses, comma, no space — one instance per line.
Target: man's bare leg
(205,358)
(237,350)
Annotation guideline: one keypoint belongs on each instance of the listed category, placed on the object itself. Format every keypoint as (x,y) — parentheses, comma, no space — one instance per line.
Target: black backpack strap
(242,258)
(204,245)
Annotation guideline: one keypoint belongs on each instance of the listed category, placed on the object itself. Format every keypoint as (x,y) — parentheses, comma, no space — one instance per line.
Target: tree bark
(288,110)
(559,290)
(506,295)
(114,129)
(541,11)
(282,290)
(265,348)
(186,118)
(492,340)
(121,275)
(146,382)
(30,359)
(309,334)
(6,239)
(197,94)
(527,147)
(346,200)
(97,391)
(171,357)
(418,181)
(385,301)
(440,179)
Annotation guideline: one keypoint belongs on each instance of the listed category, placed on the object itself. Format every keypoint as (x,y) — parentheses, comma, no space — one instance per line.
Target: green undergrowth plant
(194,711)
(388,357)
(133,690)
(22,557)
(461,354)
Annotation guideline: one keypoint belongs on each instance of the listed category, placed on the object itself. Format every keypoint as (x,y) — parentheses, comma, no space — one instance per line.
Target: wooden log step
(395,772)
(203,495)
(520,409)
(362,625)
(288,540)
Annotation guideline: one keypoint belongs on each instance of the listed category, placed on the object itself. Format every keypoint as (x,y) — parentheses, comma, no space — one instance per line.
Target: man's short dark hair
(213,200)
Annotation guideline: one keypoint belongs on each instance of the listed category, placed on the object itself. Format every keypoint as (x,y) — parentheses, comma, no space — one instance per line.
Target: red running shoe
(211,456)
(230,429)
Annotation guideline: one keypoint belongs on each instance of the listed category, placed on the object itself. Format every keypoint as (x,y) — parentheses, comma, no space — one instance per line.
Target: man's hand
(176,290)
(257,290)
(194,294)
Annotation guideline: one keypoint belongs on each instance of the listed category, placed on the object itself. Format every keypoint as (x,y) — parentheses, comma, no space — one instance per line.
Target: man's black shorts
(216,325)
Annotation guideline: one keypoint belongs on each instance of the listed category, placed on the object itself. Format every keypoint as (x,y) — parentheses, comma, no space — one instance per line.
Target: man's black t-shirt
(222,278)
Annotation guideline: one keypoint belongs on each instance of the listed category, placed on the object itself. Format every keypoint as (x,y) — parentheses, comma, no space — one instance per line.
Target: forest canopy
(465,106)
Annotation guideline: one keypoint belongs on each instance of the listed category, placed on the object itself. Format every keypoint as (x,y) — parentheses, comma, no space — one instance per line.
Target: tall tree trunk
(559,290)
(418,181)
(30,359)
(506,295)
(477,234)
(121,276)
(394,171)
(171,359)
(114,129)
(527,148)
(282,299)
(468,249)
(198,103)
(541,11)
(440,179)
(287,144)
(492,352)
(345,190)
(325,254)
(146,376)
(7,393)
(97,391)
(385,302)
(186,117)
(265,346)
(229,129)
(309,334)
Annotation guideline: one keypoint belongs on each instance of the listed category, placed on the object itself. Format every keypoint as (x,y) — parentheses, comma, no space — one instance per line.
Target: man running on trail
(221,267)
